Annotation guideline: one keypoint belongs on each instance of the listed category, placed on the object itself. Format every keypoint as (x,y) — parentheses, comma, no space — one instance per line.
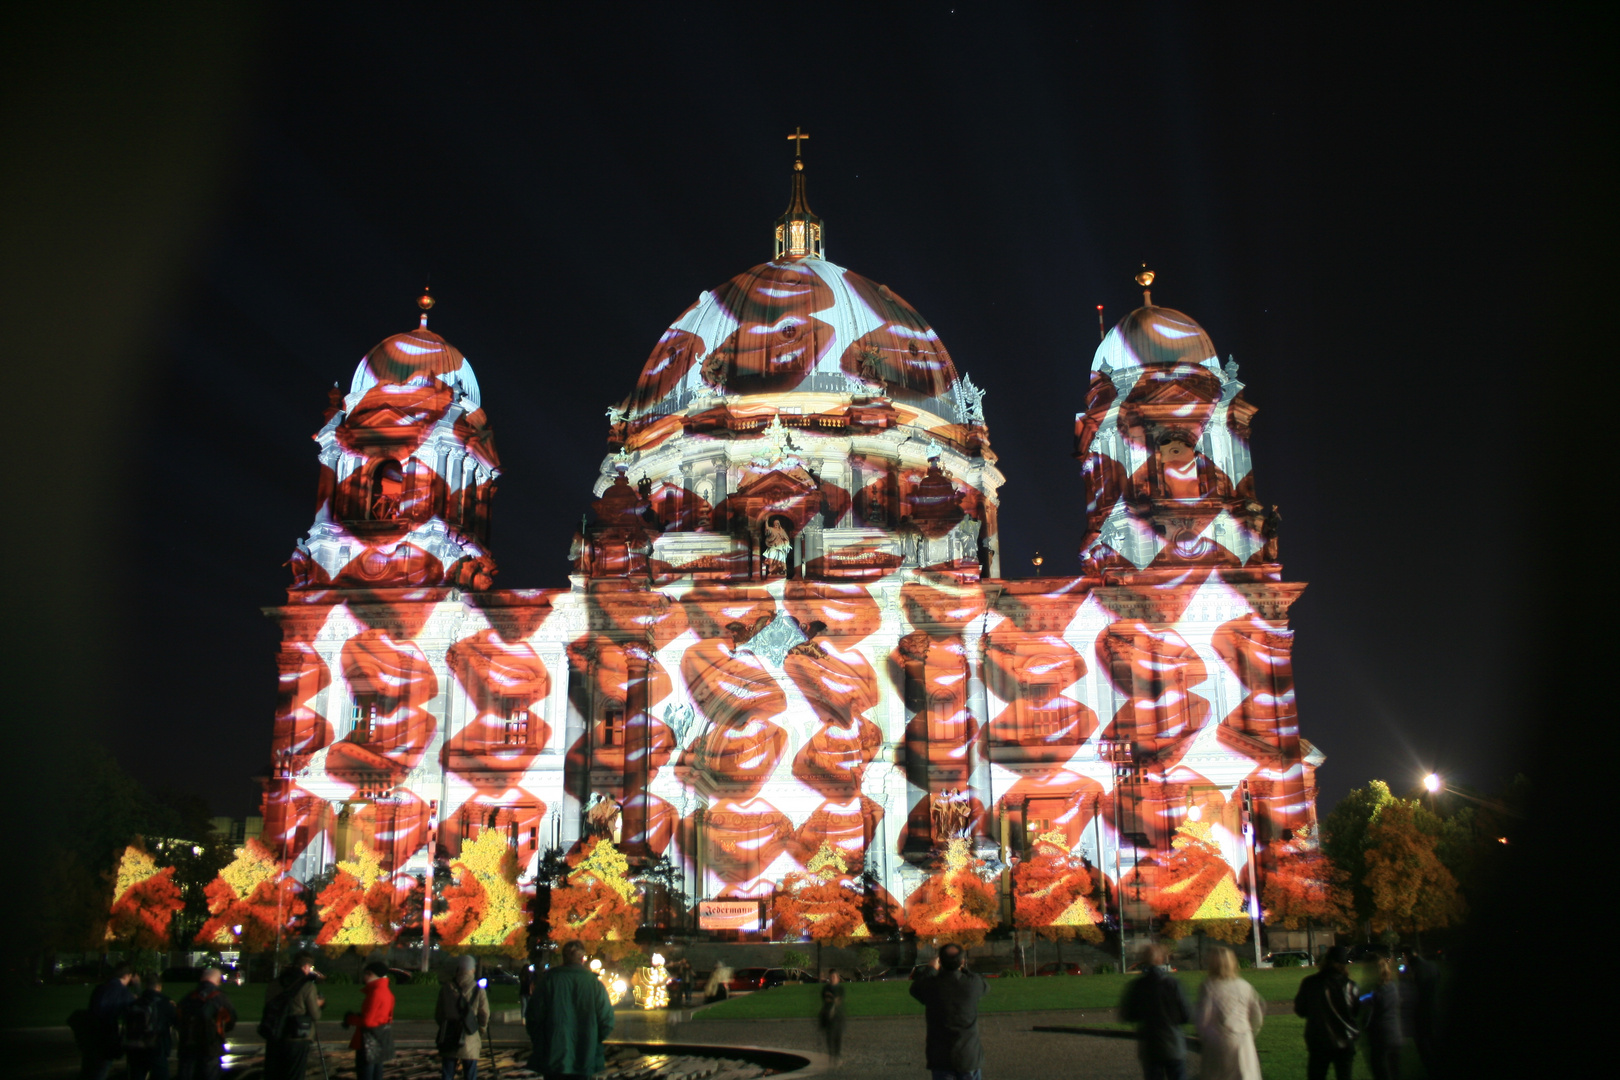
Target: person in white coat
(1228,1014)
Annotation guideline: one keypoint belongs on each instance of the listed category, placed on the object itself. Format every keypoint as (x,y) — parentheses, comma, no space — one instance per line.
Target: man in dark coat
(102,1040)
(1423,979)
(295,996)
(1156,1003)
(149,1047)
(1328,1002)
(950,996)
(206,1016)
(568,1020)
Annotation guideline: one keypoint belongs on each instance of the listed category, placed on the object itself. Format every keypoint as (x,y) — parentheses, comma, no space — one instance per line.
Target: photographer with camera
(292,1006)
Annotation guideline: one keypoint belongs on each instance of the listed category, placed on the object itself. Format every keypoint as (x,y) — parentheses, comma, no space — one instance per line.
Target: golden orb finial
(1144,279)
(425,302)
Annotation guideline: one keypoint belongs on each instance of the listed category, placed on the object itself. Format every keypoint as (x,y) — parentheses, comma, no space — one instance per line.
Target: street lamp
(1432,783)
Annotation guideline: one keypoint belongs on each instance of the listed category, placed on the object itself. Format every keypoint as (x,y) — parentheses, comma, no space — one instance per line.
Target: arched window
(387,489)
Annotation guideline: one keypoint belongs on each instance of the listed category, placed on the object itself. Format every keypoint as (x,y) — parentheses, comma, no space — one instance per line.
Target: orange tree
(956,904)
(1051,890)
(1197,892)
(250,901)
(484,907)
(822,901)
(145,899)
(1304,888)
(1408,885)
(598,905)
(362,907)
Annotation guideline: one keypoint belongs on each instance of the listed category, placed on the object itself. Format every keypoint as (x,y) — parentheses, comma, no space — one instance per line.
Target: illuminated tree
(361,907)
(822,902)
(485,909)
(1304,888)
(1409,887)
(599,903)
(956,904)
(145,899)
(249,900)
(1344,839)
(1051,890)
(1197,892)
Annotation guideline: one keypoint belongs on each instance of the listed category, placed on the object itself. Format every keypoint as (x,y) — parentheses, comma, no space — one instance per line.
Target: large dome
(1154,336)
(794,324)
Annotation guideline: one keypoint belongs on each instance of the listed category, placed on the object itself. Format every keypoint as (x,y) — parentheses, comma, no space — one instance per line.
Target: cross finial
(797,139)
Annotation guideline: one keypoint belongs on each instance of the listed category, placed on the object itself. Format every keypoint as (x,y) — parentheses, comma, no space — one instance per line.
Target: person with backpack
(1157,1005)
(149,1026)
(292,1006)
(462,1013)
(98,1028)
(373,1039)
(1327,1001)
(206,1017)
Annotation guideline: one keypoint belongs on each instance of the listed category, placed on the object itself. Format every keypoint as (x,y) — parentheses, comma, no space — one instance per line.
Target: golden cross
(798,142)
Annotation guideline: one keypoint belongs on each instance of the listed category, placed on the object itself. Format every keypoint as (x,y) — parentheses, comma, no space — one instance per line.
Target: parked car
(1136,968)
(1063,967)
(401,977)
(178,978)
(1288,958)
(502,977)
(748,978)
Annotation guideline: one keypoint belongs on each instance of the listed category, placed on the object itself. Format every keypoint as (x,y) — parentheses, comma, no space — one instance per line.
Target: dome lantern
(798,230)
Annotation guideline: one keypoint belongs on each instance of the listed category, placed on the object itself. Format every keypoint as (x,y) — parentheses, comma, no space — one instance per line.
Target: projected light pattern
(785,626)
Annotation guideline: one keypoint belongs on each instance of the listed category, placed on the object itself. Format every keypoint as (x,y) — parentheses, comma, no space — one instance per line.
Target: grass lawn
(48,1006)
(892,997)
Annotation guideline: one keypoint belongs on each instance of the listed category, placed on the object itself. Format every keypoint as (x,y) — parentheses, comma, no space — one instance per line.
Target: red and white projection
(785,627)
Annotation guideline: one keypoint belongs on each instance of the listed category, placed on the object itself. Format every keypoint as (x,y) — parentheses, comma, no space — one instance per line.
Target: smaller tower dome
(1155,336)
(416,356)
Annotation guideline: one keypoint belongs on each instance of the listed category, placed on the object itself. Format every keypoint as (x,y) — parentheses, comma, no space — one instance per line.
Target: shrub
(795,958)
(1105,969)
(1012,973)
(868,958)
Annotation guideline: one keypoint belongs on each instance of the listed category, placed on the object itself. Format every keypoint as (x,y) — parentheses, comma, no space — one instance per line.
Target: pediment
(778,484)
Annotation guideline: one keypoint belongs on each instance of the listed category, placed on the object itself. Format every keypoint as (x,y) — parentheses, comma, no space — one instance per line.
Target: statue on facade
(777,546)
(602,816)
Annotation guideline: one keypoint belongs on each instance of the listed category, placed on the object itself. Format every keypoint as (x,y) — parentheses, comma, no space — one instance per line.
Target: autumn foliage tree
(956,904)
(1303,887)
(254,893)
(1051,893)
(484,906)
(822,901)
(1409,887)
(145,900)
(599,904)
(1197,892)
(362,907)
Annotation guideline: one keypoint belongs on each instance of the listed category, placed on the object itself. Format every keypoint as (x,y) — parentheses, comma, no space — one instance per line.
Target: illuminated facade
(786,624)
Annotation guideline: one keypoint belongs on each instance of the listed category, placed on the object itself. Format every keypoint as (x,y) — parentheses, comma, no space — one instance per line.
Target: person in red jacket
(373,1039)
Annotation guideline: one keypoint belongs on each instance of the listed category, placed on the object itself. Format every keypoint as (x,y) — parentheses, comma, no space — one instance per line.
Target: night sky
(212,215)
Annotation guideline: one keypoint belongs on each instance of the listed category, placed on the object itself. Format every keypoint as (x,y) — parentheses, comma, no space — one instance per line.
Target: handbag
(378,1044)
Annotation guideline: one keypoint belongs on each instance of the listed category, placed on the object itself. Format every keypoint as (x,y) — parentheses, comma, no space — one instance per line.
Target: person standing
(292,1008)
(462,1013)
(569,1019)
(1381,1019)
(1327,1001)
(1157,1005)
(831,1017)
(206,1017)
(1422,992)
(950,995)
(373,1038)
(525,991)
(1228,1016)
(149,1030)
(101,1042)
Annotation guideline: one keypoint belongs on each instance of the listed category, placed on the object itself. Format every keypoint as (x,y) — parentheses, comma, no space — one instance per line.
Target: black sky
(214,214)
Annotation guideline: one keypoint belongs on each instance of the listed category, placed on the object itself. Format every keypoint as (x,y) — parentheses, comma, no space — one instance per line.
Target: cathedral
(786,626)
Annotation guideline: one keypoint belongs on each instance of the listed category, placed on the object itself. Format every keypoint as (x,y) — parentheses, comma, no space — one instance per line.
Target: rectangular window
(517,729)
(363,715)
(613,728)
